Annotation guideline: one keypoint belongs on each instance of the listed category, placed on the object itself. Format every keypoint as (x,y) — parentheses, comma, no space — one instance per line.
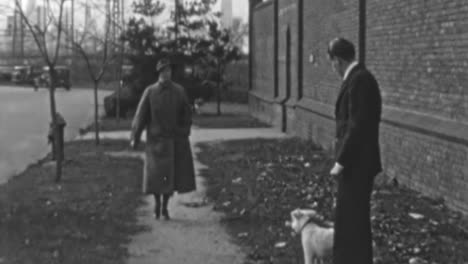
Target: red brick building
(418,51)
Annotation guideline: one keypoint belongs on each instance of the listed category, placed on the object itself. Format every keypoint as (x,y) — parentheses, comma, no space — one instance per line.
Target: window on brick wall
(300,89)
(300,86)
(288,63)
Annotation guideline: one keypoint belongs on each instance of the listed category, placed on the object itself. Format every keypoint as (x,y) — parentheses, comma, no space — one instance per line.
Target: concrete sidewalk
(194,235)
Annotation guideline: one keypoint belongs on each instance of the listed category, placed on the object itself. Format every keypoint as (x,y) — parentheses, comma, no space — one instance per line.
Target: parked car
(128,98)
(128,102)
(126,72)
(25,74)
(63,77)
(5,73)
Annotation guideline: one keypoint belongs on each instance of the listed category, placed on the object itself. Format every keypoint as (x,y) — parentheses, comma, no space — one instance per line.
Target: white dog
(317,241)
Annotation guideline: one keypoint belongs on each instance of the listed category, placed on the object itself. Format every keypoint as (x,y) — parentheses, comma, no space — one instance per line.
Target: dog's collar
(310,220)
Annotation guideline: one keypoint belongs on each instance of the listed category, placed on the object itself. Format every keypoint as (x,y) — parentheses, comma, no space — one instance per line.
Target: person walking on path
(358,113)
(164,111)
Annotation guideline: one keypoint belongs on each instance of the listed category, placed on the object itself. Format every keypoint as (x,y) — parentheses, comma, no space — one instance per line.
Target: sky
(240,8)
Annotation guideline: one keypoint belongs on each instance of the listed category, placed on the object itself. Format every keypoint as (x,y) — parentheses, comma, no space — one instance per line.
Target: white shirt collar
(349,69)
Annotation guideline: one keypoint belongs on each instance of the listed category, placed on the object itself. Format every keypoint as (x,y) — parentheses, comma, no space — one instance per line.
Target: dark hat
(163,63)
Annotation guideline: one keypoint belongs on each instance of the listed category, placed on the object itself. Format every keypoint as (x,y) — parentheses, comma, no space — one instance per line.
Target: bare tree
(47,38)
(97,60)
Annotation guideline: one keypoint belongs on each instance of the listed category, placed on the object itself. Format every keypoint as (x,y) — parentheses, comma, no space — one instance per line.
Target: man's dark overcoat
(164,111)
(358,112)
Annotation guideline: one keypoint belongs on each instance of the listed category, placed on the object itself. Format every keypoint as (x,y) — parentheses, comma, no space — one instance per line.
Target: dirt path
(194,235)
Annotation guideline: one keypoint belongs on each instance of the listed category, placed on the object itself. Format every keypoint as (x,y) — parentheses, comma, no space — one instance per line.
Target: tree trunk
(218,97)
(56,134)
(117,103)
(96,112)
(218,88)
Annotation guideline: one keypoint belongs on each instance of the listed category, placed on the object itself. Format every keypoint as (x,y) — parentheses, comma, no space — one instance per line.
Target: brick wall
(287,21)
(419,53)
(238,83)
(263,52)
(434,166)
(236,73)
(418,50)
(325,20)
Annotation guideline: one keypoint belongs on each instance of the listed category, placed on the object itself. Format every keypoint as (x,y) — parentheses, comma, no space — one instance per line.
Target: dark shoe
(157,212)
(165,213)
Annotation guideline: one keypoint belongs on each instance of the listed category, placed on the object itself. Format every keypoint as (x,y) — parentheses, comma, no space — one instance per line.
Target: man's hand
(133,145)
(336,170)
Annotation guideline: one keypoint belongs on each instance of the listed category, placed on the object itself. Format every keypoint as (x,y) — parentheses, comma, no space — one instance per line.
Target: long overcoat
(165,113)
(358,113)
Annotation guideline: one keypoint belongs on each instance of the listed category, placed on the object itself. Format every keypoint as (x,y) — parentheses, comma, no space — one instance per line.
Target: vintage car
(126,99)
(63,77)
(25,74)
(5,73)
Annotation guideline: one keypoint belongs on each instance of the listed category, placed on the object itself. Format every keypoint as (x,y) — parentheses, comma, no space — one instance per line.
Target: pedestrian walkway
(194,235)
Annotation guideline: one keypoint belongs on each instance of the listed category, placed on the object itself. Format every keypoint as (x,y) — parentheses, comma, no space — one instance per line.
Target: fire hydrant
(57,130)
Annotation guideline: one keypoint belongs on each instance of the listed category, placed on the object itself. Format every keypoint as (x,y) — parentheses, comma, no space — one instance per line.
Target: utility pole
(117,14)
(122,51)
(176,22)
(15,31)
(21,37)
(67,28)
(72,35)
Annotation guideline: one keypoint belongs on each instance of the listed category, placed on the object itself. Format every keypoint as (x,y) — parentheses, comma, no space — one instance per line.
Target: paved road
(24,123)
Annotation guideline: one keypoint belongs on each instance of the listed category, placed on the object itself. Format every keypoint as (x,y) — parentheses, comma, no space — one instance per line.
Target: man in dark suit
(358,111)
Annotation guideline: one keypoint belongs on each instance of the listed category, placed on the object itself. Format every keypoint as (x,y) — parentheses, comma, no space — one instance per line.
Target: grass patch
(256,183)
(110,124)
(231,120)
(206,120)
(87,218)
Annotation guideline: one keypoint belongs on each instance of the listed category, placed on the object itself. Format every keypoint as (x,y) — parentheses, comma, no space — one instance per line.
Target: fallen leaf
(416,216)
(417,260)
(280,245)
(237,180)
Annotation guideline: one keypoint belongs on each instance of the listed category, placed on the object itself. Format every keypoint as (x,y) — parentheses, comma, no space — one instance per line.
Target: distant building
(227,16)
(232,10)
(235,14)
